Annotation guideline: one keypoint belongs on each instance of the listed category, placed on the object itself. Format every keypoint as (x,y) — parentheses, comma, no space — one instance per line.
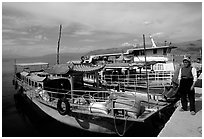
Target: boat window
(36,84)
(40,85)
(155,51)
(142,52)
(164,51)
(58,85)
(148,67)
(136,53)
(159,67)
(32,83)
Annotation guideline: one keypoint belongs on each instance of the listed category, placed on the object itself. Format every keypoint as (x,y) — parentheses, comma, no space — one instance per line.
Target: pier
(183,124)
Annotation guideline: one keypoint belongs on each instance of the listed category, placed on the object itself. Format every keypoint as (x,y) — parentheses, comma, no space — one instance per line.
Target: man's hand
(192,87)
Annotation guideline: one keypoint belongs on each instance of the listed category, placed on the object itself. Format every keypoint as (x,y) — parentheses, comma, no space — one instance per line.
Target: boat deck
(183,124)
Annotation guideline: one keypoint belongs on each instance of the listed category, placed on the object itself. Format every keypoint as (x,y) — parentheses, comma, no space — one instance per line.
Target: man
(187,78)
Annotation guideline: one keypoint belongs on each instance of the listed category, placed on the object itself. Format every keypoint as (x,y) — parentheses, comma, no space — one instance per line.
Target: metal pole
(15,67)
(15,70)
(146,69)
(59,44)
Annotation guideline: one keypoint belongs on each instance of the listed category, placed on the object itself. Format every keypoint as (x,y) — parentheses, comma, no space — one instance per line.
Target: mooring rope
(124,130)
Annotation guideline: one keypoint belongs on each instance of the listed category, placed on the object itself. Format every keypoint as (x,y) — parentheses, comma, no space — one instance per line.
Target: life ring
(63,106)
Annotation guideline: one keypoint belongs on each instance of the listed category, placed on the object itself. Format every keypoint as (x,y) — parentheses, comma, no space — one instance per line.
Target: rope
(117,129)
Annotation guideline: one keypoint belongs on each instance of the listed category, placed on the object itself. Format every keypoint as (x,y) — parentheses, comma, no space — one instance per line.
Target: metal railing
(155,79)
(78,99)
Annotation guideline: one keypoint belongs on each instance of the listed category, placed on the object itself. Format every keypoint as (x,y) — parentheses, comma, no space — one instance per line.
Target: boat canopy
(87,68)
(129,51)
(37,78)
(24,73)
(73,68)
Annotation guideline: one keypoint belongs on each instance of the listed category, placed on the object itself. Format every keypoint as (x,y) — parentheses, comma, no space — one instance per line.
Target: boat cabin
(159,54)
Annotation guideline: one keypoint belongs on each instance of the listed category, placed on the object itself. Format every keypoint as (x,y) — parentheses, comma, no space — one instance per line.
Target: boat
(60,92)
(126,71)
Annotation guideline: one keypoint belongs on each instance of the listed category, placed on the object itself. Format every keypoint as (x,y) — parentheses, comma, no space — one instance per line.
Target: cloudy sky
(32,29)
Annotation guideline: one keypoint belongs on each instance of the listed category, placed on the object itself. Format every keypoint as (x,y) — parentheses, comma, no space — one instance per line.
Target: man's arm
(194,73)
(179,76)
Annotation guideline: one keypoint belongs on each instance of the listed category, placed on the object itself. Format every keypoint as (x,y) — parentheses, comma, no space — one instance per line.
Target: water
(21,120)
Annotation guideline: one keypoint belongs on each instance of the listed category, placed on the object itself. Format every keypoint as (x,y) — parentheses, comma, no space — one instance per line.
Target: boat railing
(139,80)
(99,103)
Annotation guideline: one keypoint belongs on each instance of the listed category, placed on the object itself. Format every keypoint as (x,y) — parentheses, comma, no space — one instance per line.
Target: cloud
(40,37)
(117,17)
(157,34)
(8,42)
(147,22)
(127,44)
(12,31)
(82,32)
(88,40)
(99,25)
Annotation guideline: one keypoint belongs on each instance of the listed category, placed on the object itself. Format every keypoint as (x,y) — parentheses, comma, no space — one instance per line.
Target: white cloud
(37,23)
(40,37)
(157,34)
(147,22)
(12,31)
(78,32)
(127,44)
(88,40)
(8,42)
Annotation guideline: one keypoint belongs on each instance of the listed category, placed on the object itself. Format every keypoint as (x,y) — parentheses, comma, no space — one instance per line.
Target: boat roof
(31,64)
(32,76)
(37,78)
(73,68)
(126,51)
(149,48)
(23,73)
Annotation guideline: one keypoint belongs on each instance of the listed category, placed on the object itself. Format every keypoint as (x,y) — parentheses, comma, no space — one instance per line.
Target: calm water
(21,120)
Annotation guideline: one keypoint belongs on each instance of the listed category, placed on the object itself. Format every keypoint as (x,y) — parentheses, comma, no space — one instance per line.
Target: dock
(183,124)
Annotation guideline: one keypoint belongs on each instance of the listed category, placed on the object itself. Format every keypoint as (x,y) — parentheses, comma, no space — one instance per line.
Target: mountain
(190,47)
(50,58)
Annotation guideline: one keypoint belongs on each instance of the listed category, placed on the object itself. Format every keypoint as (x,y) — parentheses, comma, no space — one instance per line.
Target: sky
(32,28)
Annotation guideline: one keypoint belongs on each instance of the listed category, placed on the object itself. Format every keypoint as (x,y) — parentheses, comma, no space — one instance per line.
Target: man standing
(187,78)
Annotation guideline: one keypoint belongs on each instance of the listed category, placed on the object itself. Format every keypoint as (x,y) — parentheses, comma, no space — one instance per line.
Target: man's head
(186,61)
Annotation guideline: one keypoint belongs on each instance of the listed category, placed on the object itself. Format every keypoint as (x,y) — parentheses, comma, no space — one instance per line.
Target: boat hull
(83,121)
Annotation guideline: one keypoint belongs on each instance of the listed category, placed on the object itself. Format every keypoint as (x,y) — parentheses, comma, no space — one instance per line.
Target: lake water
(20,120)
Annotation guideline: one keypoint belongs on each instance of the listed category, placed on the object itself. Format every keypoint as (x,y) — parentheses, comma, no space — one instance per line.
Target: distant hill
(51,58)
(190,47)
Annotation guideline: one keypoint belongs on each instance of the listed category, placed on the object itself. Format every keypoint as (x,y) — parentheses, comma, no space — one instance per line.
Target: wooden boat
(61,93)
